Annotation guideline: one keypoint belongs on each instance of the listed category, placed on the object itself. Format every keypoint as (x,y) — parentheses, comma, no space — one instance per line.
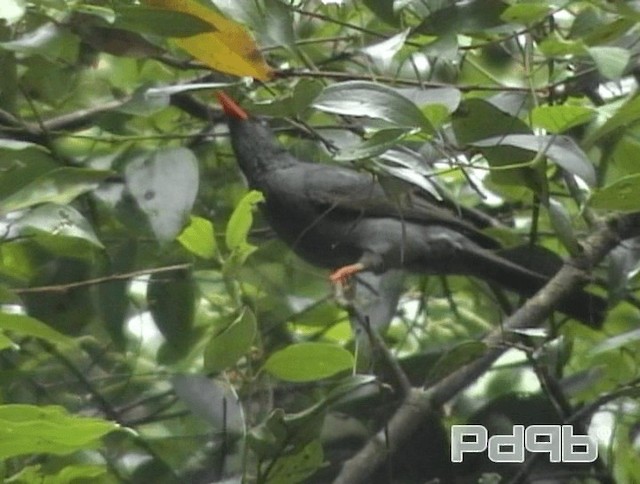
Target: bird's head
(256,147)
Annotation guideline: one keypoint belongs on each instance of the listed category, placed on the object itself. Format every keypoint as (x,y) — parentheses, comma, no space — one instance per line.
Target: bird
(342,219)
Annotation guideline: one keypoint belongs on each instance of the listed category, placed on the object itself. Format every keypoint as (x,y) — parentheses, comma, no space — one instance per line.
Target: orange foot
(342,275)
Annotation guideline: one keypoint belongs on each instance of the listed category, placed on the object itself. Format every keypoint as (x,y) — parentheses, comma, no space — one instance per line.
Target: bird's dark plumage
(335,217)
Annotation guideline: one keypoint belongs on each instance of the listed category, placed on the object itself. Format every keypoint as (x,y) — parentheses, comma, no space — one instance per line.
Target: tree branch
(419,403)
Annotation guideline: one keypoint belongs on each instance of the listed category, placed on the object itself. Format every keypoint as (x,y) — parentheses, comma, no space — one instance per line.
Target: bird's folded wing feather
(349,192)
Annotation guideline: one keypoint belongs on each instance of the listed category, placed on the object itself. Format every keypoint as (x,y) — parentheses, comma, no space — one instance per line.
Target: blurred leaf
(627,114)
(559,118)
(385,51)
(49,41)
(214,401)
(112,298)
(17,145)
(610,61)
(466,17)
(164,185)
(198,238)
(12,10)
(360,98)
(563,226)
(456,358)
(227,48)
(26,326)
(470,122)
(380,142)
(292,104)
(628,338)
(30,429)
(160,21)
(62,221)
(59,186)
(277,23)
(308,362)
(557,46)
(231,342)
(526,13)
(171,297)
(292,469)
(622,195)
(562,150)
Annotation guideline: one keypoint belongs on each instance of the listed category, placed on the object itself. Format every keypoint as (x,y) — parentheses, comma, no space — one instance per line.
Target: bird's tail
(527,275)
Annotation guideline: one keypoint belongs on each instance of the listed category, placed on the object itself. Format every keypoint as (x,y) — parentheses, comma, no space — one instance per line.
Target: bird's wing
(346,192)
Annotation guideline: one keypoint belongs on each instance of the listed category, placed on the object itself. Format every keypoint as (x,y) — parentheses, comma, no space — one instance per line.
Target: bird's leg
(344,273)
(370,261)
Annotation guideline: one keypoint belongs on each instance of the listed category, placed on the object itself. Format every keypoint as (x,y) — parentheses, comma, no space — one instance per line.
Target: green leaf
(456,358)
(27,326)
(17,145)
(231,342)
(171,296)
(557,46)
(622,195)
(198,238)
(380,142)
(563,226)
(49,41)
(308,362)
(470,122)
(164,186)
(610,61)
(241,220)
(562,150)
(559,118)
(385,51)
(59,186)
(62,222)
(292,469)
(525,13)
(627,338)
(628,114)
(159,21)
(360,98)
(30,429)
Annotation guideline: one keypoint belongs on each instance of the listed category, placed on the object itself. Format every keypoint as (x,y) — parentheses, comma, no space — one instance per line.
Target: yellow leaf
(227,48)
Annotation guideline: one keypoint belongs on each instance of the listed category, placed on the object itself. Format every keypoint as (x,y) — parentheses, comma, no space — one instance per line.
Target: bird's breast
(318,237)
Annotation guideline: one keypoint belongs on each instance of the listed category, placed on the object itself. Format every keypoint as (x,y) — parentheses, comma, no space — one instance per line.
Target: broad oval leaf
(622,195)
(231,342)
(361,98)
(31,429)
(28,326)
(160,21)
(241,220)
(559,118)
(59,221)
(198,238)
(171,296)
(60,186)
(213,400)
(377,144)
(308,362)
(227,48)
(562,150)
(470,122)
(611,61)
(164,186)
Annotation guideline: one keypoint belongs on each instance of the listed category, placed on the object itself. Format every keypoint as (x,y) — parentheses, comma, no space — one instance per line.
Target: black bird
(342,219)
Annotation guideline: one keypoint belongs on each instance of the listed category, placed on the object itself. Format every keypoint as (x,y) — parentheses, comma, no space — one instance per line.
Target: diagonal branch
(419,403)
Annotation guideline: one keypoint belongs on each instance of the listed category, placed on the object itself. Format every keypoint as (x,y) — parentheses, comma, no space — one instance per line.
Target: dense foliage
(153,329)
